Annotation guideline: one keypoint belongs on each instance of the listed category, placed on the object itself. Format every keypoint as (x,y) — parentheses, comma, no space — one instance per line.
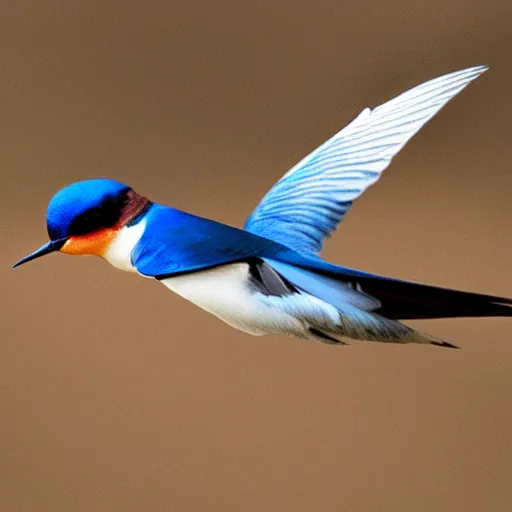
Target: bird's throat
(119,251)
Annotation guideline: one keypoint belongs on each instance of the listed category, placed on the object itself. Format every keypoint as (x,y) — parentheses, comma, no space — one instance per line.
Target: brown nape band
(134,208)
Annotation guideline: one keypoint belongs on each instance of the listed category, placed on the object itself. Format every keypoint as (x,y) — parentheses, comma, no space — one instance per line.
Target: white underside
(226,292)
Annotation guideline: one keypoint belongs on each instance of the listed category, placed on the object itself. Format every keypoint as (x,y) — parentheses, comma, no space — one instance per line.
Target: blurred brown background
(119,396)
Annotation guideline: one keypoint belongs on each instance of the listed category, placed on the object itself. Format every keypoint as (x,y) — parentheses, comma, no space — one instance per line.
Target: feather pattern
(306,205)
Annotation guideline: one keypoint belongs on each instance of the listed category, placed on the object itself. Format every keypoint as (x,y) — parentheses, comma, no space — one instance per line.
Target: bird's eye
(104,216)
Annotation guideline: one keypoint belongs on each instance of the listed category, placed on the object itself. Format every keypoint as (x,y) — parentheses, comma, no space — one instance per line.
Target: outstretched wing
(309,201)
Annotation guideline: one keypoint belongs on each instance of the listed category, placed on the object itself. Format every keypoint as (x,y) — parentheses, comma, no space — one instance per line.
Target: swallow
(269,278)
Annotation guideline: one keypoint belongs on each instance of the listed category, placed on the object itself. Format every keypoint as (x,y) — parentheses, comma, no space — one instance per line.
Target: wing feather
(306,205)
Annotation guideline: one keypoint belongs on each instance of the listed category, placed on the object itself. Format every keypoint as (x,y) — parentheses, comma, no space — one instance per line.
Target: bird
(269,277)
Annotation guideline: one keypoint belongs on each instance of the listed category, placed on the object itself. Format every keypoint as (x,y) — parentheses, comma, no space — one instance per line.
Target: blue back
(176,242)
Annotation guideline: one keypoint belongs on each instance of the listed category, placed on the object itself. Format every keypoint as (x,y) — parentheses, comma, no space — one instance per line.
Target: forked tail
(408,300)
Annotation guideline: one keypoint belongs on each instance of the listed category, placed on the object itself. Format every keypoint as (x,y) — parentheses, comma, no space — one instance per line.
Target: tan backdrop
(119,396)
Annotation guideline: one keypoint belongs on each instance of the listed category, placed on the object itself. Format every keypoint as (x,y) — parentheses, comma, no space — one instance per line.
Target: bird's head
(85,217)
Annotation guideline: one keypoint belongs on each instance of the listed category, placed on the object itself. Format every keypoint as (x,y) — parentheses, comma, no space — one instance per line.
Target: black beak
(53,245)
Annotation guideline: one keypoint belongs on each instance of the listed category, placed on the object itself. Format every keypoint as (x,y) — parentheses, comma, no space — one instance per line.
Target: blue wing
(309,201)
(177,242)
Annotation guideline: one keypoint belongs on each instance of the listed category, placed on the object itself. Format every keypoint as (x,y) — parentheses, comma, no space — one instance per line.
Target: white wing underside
(306,205)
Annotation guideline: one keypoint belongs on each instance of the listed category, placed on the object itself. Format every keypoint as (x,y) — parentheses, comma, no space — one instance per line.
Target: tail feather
(444,344)
(368,307)
(406,300)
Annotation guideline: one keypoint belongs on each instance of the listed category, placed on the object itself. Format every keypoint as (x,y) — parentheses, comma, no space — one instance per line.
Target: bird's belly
(229,293)
(226,293)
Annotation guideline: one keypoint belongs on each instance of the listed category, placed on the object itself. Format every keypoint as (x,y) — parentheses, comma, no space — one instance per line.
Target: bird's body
(268,277)
(252,297)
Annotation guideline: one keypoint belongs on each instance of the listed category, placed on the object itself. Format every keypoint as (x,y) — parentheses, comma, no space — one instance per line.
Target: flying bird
(268,277)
